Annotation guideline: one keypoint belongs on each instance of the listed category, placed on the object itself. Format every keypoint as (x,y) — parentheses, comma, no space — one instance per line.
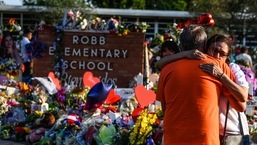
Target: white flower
(18,28)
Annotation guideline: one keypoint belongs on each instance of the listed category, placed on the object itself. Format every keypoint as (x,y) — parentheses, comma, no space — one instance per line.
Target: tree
(142,4)
(122,4)
(166,4)
(229,15)
(56,7)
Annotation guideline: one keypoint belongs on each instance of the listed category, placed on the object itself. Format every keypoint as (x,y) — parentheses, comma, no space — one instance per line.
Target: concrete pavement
(5,142)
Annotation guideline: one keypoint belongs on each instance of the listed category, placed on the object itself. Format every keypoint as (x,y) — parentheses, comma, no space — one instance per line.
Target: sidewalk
(4,142)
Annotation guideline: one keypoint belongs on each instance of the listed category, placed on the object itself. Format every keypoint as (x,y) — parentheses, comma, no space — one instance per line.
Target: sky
(12,2)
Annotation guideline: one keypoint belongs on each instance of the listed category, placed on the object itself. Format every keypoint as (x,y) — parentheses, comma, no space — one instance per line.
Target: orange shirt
(191,100)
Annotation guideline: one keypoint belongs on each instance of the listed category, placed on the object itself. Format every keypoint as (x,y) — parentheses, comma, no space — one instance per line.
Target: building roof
(107,11)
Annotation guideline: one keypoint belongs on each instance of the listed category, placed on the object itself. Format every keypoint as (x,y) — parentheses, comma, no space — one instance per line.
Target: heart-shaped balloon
(89,80)
(55,80)
(112,97)
(144,97)
(204,18)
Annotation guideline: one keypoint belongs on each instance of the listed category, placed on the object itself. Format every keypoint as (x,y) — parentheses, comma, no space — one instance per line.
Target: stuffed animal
(45,122)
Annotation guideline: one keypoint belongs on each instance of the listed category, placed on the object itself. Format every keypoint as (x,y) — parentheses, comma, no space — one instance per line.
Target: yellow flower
(142,128)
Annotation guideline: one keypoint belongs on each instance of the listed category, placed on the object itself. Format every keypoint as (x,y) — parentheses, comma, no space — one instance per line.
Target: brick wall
(112,58)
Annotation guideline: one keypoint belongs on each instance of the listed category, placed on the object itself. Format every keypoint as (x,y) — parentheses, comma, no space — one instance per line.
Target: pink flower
(12,102)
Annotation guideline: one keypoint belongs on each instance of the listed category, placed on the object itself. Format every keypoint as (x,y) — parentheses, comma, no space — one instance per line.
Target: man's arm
(194,54)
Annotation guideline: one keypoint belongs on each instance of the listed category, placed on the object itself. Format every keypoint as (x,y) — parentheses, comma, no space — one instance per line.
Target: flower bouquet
(9,66)
(145,124)
(11,26)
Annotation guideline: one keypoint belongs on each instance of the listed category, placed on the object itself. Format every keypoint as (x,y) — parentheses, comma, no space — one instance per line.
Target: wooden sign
(112,58)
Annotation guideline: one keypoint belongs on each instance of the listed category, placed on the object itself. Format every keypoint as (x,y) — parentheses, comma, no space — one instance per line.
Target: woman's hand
(212,69)
(195,54)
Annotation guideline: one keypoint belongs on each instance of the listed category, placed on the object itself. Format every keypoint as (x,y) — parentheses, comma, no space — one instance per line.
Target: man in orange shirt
(189,96)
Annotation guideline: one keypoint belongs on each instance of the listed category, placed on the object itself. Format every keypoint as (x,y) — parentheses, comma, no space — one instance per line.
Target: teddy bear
(45,123)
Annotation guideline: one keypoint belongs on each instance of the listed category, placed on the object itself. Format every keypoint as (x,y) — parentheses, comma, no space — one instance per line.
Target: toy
(45,122)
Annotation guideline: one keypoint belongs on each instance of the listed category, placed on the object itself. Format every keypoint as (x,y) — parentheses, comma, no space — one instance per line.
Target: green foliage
(229,15)
(142,4)
(56,7)
(138,4)
(167,5)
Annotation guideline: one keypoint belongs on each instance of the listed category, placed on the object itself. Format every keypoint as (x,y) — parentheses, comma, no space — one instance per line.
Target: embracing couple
(202,98)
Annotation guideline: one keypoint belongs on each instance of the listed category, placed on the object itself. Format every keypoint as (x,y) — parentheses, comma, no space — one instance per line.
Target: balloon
(55,80)
(89,80)
(97,95)
(189,22)
(144,96)
(112,97)
(136,112)
(204,18)
(211,23)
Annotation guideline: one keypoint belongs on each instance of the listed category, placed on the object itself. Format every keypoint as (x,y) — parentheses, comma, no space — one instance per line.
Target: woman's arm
(239,92)
(237,105)
(194,54)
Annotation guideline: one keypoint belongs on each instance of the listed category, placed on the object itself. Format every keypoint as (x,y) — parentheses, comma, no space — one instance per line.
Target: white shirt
(246,58)
(233,120)
(24,42)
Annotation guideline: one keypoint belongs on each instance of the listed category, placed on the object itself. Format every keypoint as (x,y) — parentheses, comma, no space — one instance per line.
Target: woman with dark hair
(239,89)
(9,50)
(168,48)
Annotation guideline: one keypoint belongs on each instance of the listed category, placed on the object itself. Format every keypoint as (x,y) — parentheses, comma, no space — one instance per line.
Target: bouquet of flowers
(9,66)
(11,26)
(144,126)
(3,104)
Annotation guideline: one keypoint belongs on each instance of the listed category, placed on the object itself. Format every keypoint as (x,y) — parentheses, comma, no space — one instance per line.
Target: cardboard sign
(144,97)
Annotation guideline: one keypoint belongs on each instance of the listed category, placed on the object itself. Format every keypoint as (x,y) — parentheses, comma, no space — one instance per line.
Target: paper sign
(252,103)
(125,93)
